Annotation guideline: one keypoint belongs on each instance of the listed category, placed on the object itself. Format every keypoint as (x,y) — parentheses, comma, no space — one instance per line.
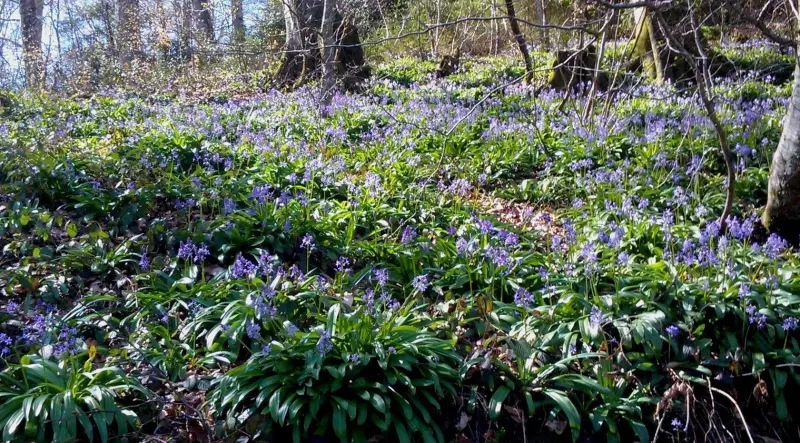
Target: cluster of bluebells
(187,250)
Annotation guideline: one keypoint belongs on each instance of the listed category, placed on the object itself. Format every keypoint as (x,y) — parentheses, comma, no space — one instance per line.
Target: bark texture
(328,54)
(129,39)
(782,214)
(237,19)
(204,21)
(303,57)
(520,38)
(30,12)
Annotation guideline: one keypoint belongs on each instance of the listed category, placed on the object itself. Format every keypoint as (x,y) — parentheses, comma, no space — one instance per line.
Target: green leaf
(340,422)
(378,403)
(568,408)
(402,433)
(496,402)
(72,230)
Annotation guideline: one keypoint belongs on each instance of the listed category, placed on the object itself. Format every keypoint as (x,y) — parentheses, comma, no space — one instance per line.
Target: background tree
(30,13)
(237,21)
(129,39)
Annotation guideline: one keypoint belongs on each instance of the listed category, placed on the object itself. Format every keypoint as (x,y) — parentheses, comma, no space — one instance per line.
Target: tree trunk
(204,20)
(297,49)
(782,214)
(538,6)
(645,45)
(304,21)
(129,31)
(523,46)
(329,54)
(237,18)
(30,12)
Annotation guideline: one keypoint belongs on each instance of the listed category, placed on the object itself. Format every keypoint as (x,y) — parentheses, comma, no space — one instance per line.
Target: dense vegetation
(433,260)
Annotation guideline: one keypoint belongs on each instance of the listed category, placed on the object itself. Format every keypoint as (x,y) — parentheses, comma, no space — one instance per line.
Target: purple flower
(186,250)
(307,242)
(144,262)
(408,235)
(382,276)
(677,424)
(485,226)
(595,317)
(291,329)
(451,230)
(324,344)
(420,282)
(523,298)
(254,330)
(243,267)
(228,206)
(790,324)
(342,265)
(391,350)
(744,290)
(5,344)
(200,253)
(673,331)
(11,307)
(355,358)
(774,246)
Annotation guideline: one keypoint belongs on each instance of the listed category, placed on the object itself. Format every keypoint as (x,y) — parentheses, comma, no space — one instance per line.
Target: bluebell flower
(144,262)
(381,275)
(595,317)
(523,298)
(324,344)
(253,330)
(677,424)
(201,252)
(673,331)
(790,324)
(420,282)
(243,267)
(408,235)
(307,242)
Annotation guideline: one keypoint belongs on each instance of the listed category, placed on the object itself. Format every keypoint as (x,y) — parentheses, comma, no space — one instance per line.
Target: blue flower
(673,330)
(420,282)
(324,344)
(381,275)
(144,262)
(523,298)
(254,330)
(595,317)
(677,424)
(243,267)
(307,242)
(186,250)
(790,324)
(201,252)
(408,235)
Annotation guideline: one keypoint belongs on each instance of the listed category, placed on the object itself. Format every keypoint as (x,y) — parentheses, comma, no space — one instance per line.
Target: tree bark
(204,20)
(329,54)
(30,12)
(645,45)
(523,46)
(237,19)
(782,213)
(129,30)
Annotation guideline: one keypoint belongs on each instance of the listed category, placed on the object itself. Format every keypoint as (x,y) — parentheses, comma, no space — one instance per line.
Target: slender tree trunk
(782,214)
(237,19)
(204,20)
(329,54)
(538,6)
(523,46)
(129,31)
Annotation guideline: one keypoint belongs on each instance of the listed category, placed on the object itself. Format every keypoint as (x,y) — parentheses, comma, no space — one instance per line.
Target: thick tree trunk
(328,54)
(204,20)
(237,19)
(782,214)
(645,45)
(30,13)
(129,30)
(304,21)
(300,38)
(523,46)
